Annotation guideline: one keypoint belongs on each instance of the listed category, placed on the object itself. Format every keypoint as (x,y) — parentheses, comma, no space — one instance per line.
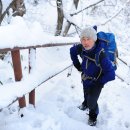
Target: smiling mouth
(86,46)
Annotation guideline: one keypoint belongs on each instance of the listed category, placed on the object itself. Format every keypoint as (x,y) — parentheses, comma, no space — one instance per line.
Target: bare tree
(75,2)
(1,8)
(6,11)
(92,5)
(2,54)
(19,8)
(60,17)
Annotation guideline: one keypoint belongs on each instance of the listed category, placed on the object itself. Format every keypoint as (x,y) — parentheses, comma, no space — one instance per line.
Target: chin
(87,48)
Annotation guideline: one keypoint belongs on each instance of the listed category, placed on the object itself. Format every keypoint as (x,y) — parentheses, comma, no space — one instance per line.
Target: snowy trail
(56,108)
(57,100)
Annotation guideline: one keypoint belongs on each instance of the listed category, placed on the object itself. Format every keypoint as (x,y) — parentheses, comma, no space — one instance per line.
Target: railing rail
(37,46)
(15,53)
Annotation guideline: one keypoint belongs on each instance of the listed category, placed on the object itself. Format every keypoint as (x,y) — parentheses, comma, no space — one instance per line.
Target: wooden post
(32,58)
(32,97)
(18,72)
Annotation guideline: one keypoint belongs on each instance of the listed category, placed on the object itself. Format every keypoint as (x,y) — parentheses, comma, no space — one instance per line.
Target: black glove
(78,67)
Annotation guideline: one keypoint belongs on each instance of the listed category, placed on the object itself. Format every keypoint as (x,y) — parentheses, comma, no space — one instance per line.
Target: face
(87,43)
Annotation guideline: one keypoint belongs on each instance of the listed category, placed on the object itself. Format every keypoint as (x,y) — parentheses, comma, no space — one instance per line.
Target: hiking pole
(1,83)
(70,71)
(121,79)
(122,61)
(71,67)
(53,76)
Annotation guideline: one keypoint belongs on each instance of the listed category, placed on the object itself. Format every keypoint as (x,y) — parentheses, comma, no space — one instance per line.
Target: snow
(20,35)
(58,98)
(58,107)
(5,4)
(25,86)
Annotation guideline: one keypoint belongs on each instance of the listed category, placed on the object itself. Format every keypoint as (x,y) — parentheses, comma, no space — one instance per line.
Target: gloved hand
(78,67)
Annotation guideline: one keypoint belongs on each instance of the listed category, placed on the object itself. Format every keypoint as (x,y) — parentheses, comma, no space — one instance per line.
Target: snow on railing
(19,94)
(2,49)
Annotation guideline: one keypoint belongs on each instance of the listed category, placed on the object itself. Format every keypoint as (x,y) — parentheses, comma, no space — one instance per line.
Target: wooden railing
(17,67)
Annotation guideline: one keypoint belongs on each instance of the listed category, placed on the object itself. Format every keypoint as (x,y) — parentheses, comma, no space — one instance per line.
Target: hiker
(94,75)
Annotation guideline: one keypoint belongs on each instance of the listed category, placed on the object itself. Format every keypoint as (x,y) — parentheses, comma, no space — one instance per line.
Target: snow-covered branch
(87,7)
(116,14)
(6,11)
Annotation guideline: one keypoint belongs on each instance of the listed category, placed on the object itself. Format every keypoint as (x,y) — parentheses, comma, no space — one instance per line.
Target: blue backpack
(108,43)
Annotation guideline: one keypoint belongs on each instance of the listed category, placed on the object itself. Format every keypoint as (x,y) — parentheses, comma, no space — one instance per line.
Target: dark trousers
(91,95)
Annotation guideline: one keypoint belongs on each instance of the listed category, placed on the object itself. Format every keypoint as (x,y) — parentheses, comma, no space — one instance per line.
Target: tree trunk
(19,8)
(68,23)
(1,8)
(76,3)
(60,17)
(2,54)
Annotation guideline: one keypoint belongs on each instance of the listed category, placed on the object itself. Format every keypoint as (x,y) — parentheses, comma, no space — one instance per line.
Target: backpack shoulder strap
(99,56)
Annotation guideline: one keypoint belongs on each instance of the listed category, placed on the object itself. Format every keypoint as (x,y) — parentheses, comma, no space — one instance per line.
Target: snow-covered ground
(56,107)
(58,98)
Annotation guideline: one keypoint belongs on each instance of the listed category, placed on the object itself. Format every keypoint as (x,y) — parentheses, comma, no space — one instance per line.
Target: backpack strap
(91,59)
(98,57)
(97,60)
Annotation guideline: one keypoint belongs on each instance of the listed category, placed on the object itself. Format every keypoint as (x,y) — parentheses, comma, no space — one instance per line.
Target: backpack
(108,43)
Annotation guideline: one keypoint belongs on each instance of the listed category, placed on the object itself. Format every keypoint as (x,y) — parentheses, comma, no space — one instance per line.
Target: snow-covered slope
(57,99)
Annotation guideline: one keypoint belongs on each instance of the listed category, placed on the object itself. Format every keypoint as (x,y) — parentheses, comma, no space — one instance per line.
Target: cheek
(83,42)
(91,43)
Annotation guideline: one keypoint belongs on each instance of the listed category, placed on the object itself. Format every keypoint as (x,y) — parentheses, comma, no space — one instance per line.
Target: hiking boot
(92,121)
(83,106)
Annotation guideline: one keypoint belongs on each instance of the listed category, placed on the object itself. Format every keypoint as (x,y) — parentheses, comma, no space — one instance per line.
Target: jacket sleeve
(74,52)
(108,72)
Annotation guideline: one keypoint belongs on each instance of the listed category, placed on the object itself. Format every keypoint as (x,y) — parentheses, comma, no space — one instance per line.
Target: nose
(85,42)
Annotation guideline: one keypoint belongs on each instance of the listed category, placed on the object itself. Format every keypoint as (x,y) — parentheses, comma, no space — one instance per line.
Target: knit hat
(89,32)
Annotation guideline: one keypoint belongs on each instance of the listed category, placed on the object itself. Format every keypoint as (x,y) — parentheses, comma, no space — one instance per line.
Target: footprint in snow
(127,124)
(37,124)
(105,114)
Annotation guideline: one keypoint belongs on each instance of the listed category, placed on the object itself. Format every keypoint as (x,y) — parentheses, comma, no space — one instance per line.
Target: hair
(89,32)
